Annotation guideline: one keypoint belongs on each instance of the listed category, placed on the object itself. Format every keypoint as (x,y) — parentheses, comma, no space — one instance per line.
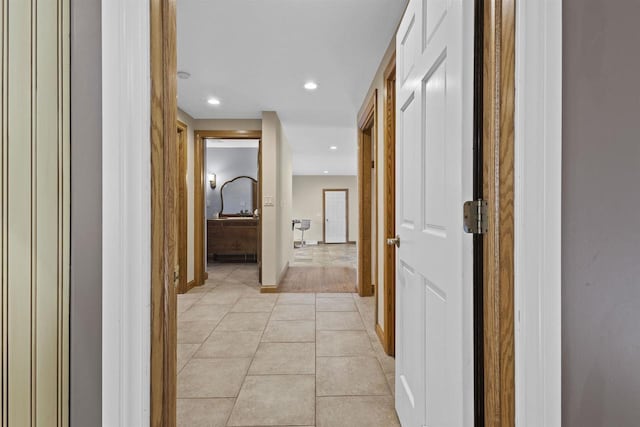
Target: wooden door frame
(164,183)
(199,214)
(498,112)
(366,145)
(388,335)
(183,285)
(346,212)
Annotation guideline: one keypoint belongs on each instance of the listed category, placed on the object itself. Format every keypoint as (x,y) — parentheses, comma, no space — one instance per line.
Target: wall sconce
(212,180)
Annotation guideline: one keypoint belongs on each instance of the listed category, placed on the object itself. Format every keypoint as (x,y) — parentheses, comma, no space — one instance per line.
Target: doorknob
(394,241)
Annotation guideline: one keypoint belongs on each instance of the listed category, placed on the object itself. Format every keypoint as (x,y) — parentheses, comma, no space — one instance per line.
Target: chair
(304,225)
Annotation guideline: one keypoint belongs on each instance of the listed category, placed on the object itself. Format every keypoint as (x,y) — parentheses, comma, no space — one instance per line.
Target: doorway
(335,205)
(367,138)
(232,238)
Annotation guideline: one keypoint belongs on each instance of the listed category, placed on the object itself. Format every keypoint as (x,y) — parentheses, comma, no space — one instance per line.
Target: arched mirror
(239,197)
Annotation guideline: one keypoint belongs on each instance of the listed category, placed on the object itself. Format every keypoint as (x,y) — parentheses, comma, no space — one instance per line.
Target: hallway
(251,359)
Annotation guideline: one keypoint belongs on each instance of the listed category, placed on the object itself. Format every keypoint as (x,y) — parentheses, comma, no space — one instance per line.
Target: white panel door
(434,359)
(335,216)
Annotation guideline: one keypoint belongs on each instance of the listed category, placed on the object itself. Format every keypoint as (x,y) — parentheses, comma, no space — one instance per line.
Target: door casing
(498,189)
(199,216)
(388,335)
(164,213)
(367,136)
(183,285)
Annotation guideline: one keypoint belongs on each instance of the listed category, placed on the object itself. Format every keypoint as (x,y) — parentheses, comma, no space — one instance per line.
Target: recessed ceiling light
(311,86)
(213,101)
(326,172)
(333,147)
(183,75)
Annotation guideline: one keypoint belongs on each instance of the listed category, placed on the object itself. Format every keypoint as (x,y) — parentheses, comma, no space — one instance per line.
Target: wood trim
(230,134)
(199,215)
(381,335)
(182,207)
(324,219)
(366,139)
(163,213)
(498,189)
(189,286)
(268,289)
(389,266)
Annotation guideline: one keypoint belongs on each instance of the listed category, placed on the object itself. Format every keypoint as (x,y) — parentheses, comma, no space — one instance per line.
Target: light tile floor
(251,359)
(333,255)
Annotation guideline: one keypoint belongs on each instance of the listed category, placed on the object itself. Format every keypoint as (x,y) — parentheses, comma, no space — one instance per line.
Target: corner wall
(600,212)
(277,246)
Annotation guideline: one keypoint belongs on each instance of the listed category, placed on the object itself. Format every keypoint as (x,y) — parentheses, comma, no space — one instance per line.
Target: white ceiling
(256,55)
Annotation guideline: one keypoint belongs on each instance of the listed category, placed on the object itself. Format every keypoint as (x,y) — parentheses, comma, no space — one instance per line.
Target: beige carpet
(319,279)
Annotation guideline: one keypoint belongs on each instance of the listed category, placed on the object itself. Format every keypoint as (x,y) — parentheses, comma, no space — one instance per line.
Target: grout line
(235,403)
(375,352)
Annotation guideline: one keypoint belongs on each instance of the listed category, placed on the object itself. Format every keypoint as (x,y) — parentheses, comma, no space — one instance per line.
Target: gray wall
(601,213)
(228,163)
(86,223)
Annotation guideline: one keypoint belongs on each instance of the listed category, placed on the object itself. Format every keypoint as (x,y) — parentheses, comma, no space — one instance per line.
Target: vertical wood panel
(390,206)
(182,205)
(198,208)
(35,218)
(366,134)
(498,137)
(164,212)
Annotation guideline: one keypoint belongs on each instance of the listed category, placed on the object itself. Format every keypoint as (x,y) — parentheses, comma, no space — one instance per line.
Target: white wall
(307,202)
(379,84)
(190,122)
(285,188)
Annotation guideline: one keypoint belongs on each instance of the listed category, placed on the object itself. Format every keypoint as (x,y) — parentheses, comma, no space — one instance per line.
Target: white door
(335,216)
(434,347)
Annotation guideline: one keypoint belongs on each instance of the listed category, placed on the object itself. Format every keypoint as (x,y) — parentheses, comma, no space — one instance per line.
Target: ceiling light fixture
(311,86)
(213,101)
(326,172)
(183,75)
(333,147)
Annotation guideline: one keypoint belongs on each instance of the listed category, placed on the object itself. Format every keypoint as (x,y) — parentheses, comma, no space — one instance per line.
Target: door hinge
(373,164)
(476,220)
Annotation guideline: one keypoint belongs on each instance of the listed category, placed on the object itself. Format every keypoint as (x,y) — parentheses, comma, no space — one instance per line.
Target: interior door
(434,360)
(335,216)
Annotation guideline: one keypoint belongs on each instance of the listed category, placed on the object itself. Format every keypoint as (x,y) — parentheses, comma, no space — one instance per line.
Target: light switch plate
(268,200)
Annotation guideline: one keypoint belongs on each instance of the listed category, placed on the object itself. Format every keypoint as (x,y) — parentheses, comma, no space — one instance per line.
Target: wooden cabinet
(232,238)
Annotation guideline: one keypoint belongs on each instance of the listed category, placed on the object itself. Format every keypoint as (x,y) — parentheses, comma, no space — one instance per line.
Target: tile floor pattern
(251,359)
(333,255)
